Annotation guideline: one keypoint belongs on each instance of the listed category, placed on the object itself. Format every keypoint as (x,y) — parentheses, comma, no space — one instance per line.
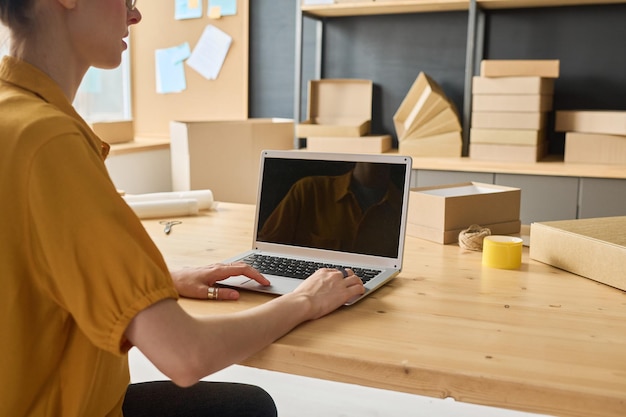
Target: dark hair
(16,14)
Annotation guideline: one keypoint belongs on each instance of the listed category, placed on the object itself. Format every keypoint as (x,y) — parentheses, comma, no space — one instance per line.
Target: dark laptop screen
(336,205)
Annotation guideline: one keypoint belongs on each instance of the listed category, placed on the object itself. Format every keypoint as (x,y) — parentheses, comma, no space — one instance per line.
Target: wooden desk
(536,339)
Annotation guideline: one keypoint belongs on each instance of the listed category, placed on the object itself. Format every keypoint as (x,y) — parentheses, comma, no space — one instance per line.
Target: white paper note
(209,54)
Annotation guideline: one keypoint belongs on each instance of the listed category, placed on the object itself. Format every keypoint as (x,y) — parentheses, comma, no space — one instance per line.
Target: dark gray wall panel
(544,198)
(602,197)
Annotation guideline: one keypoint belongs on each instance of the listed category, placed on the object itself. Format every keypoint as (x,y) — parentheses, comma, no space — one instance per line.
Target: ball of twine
(472,237)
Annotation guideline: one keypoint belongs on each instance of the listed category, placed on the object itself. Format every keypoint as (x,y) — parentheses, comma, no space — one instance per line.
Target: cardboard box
(512,85)
(509,120)
(337,107)
(508,153)
(592,248)
(591,121)
(362,144)
(590,148)
(512,102)
(547,68)
(445,145)
(440,213)
(114,132)
(526,137)
(224,156)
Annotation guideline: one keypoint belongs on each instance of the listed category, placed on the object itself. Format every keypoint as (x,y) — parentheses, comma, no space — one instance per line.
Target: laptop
(334,210)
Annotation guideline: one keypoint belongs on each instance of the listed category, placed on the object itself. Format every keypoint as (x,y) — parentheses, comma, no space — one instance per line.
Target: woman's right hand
(327,290)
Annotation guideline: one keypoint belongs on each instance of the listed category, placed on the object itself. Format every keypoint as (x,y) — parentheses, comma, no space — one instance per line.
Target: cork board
(225,98)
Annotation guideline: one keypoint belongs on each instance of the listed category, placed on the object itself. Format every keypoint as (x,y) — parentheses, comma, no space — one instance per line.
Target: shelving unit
(476,29)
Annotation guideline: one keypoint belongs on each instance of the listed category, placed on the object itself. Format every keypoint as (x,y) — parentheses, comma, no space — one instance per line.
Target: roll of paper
(203,197)
(164,208)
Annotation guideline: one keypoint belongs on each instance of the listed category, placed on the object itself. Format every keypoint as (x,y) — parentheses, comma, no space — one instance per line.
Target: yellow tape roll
(503,252)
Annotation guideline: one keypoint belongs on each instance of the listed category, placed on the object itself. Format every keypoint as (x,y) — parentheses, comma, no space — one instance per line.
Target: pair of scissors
(168,225)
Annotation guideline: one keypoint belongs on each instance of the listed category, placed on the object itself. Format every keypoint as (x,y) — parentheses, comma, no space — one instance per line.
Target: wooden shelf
(385,7)
(549,167)
(423,6)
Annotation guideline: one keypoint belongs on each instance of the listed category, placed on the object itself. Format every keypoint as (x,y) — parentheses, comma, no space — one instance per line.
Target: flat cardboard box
(507,153)
(509,120)
(342,144)
(590,148)
(337,107)
(452,236)
(439,213)
(512,85)
(547,68)
(224,156)
(115,131)
(443,145)
(593,248)
(527,137)
(591,121)
(512,102)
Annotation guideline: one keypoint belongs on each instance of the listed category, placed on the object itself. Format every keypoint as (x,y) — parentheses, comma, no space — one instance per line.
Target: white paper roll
(164,208)
(203,197)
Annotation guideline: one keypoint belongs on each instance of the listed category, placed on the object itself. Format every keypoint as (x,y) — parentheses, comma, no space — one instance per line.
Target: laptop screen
(338,205)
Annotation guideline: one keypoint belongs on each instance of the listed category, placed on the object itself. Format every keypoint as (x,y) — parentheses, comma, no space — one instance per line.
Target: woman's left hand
(195,282)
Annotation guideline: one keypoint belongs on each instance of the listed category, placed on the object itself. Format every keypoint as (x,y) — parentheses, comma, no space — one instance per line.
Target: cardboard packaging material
(362,144)
(593,248)
(337,107)
(509,120)
(426,122)
(448,144)
(591,121)
(548,68)
(509,153)
(223,156)
(114,132)
(590,148)
(512,85)
(424,100)
(527,137)
(512,102)
(440,213)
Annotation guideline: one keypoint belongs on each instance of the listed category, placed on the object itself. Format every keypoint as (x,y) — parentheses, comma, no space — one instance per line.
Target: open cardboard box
(440,213)
(337,107)
(224,156)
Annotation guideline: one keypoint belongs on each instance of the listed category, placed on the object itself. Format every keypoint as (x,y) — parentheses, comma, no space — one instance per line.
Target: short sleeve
(95,258)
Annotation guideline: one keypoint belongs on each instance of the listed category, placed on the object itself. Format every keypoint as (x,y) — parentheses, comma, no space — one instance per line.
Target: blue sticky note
(188,9)
(170,69)
(227,7)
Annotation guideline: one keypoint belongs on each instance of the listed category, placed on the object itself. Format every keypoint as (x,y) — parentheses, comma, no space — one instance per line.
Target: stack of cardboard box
(339,115)
(510,103)
(593,136)
(427,123)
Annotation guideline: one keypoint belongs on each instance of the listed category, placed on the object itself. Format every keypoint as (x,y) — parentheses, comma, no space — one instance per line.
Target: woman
(82,281)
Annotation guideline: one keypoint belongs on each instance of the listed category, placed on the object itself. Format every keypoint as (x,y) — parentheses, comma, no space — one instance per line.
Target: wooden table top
(536,339)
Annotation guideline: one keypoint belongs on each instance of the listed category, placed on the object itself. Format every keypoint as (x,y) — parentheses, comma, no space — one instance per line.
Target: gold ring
(213,293)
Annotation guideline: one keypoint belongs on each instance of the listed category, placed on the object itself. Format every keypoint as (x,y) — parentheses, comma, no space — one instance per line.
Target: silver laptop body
(328,209)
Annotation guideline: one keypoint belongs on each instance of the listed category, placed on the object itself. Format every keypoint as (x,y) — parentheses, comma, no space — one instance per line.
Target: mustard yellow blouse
(76,265)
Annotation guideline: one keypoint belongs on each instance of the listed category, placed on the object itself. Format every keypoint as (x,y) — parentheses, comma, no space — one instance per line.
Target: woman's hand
(195,282)
(329,288)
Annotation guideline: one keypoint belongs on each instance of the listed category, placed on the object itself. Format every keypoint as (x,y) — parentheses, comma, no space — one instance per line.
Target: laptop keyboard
(297,268)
